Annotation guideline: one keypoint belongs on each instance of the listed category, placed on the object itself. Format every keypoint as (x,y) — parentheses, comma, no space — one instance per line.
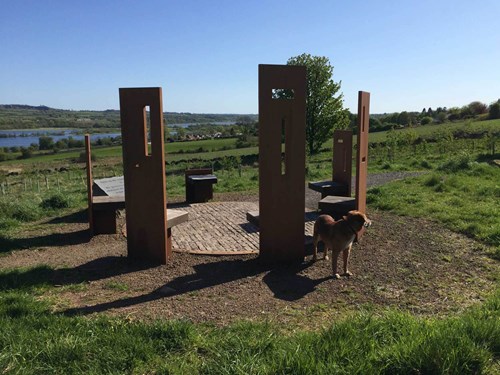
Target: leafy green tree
(441,117)
(45,143)
(26,153)
(324,101)
(454,114)
(494,110)
(426,120)
(477,108)
(404,118)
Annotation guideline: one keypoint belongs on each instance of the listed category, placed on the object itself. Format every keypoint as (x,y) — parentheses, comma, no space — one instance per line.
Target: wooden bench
(327,188)
(340,185)
(199,185)
(102,207)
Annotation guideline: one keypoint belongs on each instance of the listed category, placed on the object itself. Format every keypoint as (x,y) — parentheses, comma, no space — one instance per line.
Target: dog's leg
(325,254)
(346,253)
(335,257)
(315,247)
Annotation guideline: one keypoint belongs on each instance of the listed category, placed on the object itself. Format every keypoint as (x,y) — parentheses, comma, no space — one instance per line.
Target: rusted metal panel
(144,174)
(281,183)
(88,161)
(342,158)
(362,154)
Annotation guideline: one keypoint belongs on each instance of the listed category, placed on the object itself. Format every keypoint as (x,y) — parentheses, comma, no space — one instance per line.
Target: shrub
(494,110)
(26,153)
(82,158)
(432,180)
(426,120)
(56,201)
(24,212)
(460,163)
(425,164)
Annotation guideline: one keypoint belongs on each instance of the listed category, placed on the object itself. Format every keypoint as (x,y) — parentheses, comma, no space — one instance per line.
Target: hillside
(19,116)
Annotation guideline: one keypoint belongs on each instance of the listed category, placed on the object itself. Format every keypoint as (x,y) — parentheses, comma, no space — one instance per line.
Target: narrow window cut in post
(147,128)
(283,147)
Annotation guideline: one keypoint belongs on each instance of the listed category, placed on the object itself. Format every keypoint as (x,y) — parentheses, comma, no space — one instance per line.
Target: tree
(26,153)
(324,103)
(478,108)
(426,120)
(404,118)
(494,110)
(45,143)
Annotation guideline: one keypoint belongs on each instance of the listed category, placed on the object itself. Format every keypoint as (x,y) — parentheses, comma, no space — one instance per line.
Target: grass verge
(461,193)
(33,340)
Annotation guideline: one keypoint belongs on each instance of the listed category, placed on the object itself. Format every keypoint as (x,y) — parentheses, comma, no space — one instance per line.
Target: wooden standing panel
(144,174)
(281,184)
(362,154)
(342,158)
(88,160)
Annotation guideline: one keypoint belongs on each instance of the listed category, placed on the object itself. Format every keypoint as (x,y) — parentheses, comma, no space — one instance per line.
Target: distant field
(216,148)
(427,130)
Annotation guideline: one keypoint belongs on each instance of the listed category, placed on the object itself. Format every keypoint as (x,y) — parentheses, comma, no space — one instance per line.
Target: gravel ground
(374,179)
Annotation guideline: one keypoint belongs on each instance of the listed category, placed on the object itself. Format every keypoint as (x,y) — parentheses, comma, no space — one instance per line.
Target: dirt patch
(411,264)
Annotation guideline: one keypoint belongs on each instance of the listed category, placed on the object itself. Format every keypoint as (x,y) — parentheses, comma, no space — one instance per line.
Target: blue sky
(205,54)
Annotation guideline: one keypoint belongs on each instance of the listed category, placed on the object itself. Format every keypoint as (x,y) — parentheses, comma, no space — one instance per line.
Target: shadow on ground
(73,218)
(102,268)
(284,281)
(8,243)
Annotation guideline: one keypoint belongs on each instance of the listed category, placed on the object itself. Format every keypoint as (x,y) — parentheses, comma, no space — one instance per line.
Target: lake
(24,138)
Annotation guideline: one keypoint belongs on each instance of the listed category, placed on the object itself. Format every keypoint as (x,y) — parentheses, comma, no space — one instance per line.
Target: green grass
(34,340)
(462,194)
(436,129)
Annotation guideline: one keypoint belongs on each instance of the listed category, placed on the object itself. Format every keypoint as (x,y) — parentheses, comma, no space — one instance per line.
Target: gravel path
(374,179)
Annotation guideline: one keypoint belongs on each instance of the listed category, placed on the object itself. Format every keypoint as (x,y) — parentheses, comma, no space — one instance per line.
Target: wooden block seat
(174,217)
(253,217)
(329,188)
(107,195)
(336,205)
(199,185)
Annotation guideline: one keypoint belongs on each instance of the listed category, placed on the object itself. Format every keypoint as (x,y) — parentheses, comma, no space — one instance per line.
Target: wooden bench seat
(329,188)
(102,207)
(199,185)
(336,206)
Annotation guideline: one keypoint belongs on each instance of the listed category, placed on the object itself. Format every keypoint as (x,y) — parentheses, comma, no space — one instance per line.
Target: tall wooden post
(88,159)
(282,90)
(362,154)
(144,174)
(342,159)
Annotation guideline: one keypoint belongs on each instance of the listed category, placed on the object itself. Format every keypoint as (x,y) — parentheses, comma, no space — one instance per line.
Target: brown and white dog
(339,236)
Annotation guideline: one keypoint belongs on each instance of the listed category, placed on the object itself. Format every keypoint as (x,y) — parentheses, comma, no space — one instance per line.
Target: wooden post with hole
(144,174)
(281,177)
(362,154)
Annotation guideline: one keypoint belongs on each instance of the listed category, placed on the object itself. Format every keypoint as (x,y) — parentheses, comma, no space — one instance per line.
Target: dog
(338,236)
